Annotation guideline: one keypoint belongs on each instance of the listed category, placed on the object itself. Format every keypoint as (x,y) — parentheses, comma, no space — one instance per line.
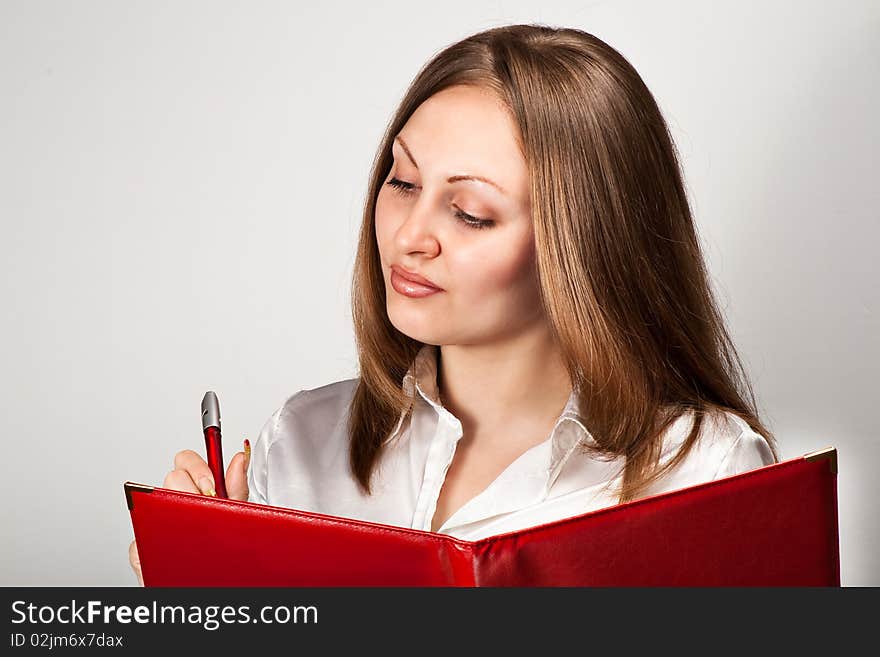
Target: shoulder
(726,445)
(300,443)
(313,412)
(746,451)
(331,397)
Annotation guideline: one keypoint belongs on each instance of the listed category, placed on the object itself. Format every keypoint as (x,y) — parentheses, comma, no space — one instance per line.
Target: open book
(773,526)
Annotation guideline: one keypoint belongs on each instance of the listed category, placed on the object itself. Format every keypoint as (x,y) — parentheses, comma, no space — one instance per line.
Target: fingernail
(207,487)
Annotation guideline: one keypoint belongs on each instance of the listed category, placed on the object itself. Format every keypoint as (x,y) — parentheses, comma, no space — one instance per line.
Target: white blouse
(300,461)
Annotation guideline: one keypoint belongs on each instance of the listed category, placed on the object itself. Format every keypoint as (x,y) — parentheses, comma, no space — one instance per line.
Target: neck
(520,382)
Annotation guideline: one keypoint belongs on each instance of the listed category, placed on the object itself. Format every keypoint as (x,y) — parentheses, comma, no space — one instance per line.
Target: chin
(423,329)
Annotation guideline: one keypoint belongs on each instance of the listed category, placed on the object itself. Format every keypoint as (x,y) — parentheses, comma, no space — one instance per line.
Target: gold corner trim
(130,487)
(829,453)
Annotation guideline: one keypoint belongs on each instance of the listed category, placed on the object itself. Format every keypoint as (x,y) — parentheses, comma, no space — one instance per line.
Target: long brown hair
(622,276)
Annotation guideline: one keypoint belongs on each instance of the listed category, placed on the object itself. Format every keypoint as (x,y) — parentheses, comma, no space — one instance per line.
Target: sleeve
(258,470)
(749,451)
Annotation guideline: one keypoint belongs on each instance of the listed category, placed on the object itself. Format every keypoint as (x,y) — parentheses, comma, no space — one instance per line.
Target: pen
(211,428)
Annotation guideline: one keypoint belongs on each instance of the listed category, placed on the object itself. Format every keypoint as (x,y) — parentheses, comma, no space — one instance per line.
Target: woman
(566,352)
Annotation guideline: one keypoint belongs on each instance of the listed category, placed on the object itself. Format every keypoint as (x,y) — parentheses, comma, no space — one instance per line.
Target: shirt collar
(569,431)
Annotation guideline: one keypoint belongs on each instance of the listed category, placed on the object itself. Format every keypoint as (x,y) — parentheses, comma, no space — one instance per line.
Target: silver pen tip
(210,410)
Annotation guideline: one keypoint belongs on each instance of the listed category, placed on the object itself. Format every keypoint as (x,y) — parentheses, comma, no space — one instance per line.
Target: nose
(417,233)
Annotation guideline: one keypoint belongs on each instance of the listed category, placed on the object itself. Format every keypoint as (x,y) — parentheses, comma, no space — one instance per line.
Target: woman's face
(487,275)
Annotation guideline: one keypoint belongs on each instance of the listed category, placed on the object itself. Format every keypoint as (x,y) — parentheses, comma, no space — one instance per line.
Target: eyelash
(405,189)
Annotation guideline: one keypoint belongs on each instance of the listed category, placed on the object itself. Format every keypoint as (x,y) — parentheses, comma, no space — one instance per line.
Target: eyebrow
(451,179)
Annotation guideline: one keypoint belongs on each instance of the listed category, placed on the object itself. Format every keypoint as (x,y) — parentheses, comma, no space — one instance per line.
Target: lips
(414,278)
(410,288)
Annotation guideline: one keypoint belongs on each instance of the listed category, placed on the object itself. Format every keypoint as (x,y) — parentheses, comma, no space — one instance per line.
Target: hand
(192,474)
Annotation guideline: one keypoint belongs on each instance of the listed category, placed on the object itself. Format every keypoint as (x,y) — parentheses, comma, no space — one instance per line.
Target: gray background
(181,186)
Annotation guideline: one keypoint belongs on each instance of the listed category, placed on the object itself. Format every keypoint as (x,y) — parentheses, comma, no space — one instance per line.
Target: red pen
(211,428)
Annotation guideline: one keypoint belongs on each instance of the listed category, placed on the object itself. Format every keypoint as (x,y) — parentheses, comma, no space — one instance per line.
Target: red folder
(772,526)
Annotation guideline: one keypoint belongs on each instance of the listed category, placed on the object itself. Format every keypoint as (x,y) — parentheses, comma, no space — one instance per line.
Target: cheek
(490,270)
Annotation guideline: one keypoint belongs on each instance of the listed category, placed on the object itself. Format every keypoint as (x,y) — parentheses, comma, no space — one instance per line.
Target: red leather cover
(773,526)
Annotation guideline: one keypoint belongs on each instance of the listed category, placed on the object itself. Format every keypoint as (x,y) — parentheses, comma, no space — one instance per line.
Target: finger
(135,560)
(180,480)
(198,470)
(236,476)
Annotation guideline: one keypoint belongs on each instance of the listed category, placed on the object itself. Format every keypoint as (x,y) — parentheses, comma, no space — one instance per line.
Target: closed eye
(407,189)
